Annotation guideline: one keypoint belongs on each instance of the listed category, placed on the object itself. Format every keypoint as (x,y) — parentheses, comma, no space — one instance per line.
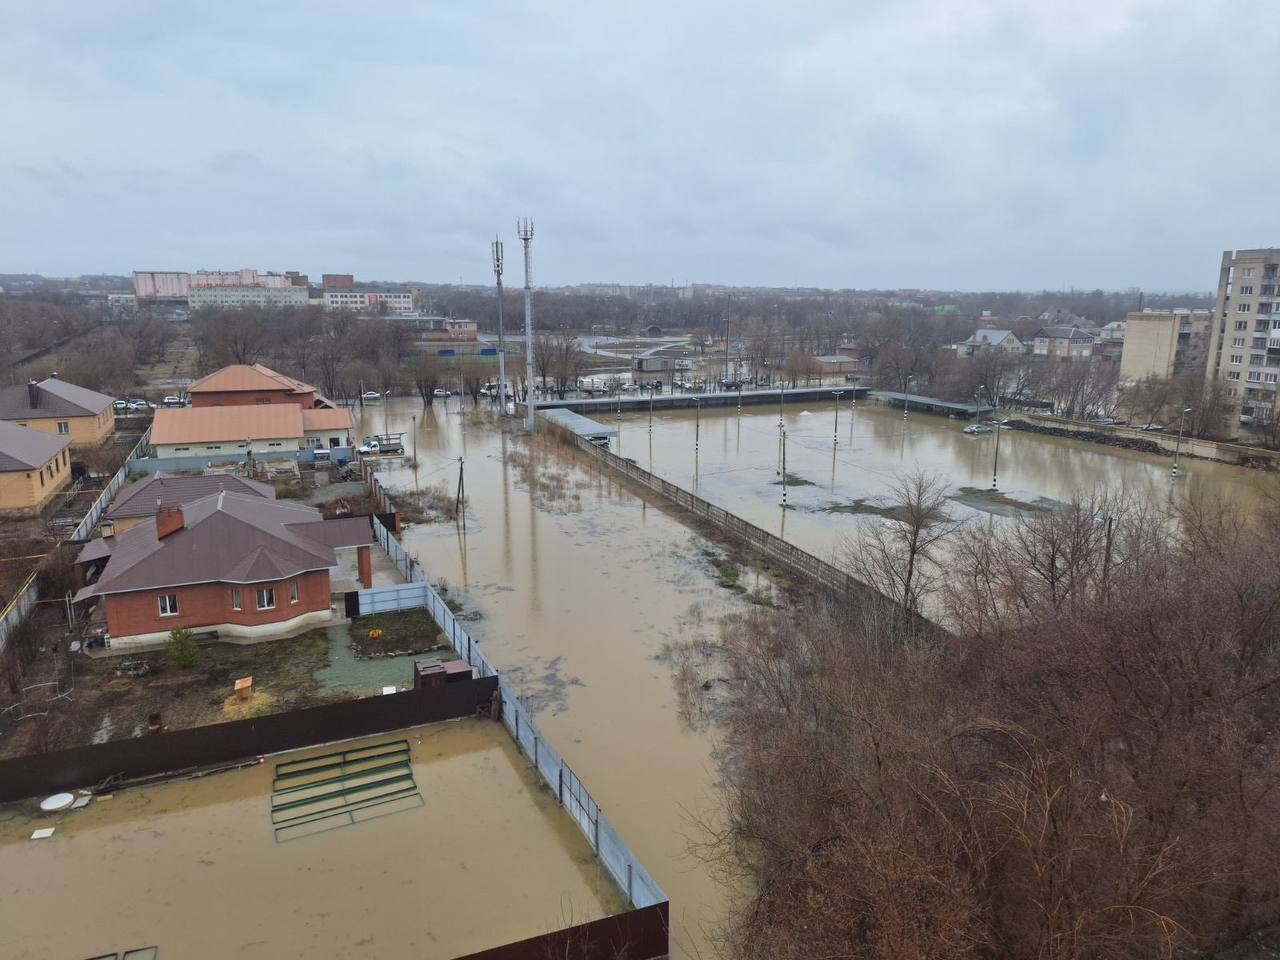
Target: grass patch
(406,631)
(433,504)
(794,480)
(1000,503)
(727,572)
(864,507)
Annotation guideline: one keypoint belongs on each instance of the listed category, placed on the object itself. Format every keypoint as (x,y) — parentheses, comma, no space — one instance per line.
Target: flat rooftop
(429,842)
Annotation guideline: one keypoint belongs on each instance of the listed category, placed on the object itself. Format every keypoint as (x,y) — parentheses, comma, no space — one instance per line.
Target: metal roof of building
(577,423)
(267,421)
(248,377)
(55,398)
(225,538)
(140,499)
(22,448)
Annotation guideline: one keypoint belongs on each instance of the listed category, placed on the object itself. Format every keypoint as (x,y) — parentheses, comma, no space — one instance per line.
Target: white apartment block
(1244,344)
(368,301)
(246,297)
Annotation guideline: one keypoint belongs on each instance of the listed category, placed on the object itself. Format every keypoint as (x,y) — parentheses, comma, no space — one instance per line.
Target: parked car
(440,392)
(172,401)
(1104,421)
(139,404)
(977,428)
(1153,427)
(631,388)
(1246,419)
(120,406)
(370,395)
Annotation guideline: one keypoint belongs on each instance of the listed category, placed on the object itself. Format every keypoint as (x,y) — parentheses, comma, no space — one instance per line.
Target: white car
(370,395)
(440,392)
(172,401)
(141,405)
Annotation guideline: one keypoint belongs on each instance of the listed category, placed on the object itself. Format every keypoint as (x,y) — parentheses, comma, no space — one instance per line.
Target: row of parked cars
(139,405)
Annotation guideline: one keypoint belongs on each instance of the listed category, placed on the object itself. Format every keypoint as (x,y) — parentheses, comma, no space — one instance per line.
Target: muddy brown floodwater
(828,489)
(580,587)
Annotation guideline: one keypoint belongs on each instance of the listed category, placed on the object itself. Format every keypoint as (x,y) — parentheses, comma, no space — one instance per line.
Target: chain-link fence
(626,870)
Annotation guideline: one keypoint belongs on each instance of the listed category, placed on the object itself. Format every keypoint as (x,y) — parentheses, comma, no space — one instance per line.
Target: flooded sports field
(576,588)
(440,844)
(831,486)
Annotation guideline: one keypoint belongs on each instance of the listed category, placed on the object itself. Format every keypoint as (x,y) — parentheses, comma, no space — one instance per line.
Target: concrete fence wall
(140,464)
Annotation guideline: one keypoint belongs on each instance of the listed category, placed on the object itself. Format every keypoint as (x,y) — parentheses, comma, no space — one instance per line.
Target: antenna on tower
(524,229)
(502,350)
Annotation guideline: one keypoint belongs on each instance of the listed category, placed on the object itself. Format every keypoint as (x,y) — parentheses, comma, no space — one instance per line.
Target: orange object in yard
(244,688)
(375,633)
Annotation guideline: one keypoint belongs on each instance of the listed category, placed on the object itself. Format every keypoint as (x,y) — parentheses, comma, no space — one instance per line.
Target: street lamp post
(995,461)
(697,431)
(835,430)
(652,391)
(906,397)
(1177,450)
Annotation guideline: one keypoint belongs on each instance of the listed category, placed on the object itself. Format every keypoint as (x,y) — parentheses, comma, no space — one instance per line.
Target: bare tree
(898,553)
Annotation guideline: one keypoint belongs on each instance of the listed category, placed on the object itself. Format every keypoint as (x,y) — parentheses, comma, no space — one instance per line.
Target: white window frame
(64,428)
(1237,358)
(1242,308)
(293,592)
(169,600)
(268,593)
(235,598)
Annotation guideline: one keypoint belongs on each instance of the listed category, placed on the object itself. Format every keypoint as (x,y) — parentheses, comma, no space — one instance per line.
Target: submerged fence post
(631,900)
(535,752)
(560,784)
(595,824)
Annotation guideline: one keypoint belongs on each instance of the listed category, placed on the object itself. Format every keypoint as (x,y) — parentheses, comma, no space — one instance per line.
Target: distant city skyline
(990,146)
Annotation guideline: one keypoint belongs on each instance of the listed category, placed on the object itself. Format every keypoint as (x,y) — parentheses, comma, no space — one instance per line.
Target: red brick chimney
(168,520)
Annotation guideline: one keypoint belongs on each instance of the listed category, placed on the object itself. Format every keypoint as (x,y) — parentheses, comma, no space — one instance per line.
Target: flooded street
(579,587)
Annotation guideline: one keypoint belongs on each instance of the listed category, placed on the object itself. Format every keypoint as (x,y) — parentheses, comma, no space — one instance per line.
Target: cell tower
(524,228)
(502,350)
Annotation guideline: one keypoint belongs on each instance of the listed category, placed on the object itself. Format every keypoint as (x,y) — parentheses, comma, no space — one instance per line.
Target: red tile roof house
(244,566)
(254,384)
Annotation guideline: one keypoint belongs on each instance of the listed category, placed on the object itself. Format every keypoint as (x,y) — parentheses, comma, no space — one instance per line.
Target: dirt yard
(102,706)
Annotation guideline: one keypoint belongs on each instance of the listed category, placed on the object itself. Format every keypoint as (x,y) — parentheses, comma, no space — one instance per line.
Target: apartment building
(1244,338)
(1164,343)
(247,296)
(368,300)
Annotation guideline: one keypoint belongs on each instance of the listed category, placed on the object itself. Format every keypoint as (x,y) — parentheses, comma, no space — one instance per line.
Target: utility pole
(524,228)
(697,434)
(459,504)
(502,349)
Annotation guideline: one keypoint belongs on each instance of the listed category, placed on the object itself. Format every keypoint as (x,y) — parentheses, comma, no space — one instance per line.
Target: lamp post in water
(835,430)
(1177,449)
(697,433)
(995,462)
(906,396)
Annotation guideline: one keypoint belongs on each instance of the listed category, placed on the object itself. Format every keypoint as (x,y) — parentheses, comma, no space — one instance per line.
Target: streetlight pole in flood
(502,350)
(995,462)
(524,228)
(697,434)
(652,390)
(906,397)
(1177,450)
(835,431)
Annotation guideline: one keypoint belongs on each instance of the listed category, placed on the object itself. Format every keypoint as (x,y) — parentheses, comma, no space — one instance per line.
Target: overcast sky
(968,144)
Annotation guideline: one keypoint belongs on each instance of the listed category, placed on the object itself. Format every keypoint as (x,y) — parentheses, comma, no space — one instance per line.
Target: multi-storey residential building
(1164,343)
(282,296)
(1062,343)
(1244,339)
(370,300)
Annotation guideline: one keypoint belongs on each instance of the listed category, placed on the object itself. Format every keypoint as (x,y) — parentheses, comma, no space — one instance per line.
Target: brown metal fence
(44,773)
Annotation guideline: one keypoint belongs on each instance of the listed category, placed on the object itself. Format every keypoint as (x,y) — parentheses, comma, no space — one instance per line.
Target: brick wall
(209,604)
